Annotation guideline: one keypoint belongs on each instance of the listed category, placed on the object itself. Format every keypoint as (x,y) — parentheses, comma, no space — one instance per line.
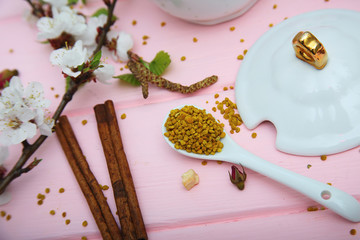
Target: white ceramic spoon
(339,201)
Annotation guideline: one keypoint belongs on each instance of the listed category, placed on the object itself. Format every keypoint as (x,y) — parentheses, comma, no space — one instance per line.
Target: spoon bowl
(332,198)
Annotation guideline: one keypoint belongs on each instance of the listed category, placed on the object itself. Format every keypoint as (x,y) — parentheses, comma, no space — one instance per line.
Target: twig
(37,11)
(145,76)
(106,28)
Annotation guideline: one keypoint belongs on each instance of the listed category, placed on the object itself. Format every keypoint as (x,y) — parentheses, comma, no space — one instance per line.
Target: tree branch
(29,149)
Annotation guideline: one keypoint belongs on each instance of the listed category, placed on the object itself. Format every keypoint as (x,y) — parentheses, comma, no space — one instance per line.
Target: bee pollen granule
(194,130)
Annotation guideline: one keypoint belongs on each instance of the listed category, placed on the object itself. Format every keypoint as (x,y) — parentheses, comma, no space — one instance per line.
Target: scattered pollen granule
(84,122)
(254,135)
(225,88)
(163,24)
(240,57)
(309,166)
(329,183)
(275,6)
(8,217)
(323,157)
(40,196)
(242,40)
(47,190)
(219,162)
(105,187)
(61,190)
(2,213)
(245,51)
(123,116)
(195,39)
(40,202)
(216,95)
(134,22)
(214,109)
(312,209)
(231,87)
(207,102)
(227,109)
(353,232)
(271,25)
(52,88)
(144,42)
(145,37)
(232,28)
(126,67)
(57,96)
(183,58)
(52,212)
(84,223)
(63,214)
(67,221)
(11,50)
(204,162)
(83,238)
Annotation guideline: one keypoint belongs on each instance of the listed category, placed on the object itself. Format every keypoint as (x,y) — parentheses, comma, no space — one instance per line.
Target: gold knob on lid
(309,49)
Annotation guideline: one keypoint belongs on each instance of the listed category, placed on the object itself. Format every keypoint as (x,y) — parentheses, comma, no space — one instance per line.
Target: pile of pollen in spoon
(193,130)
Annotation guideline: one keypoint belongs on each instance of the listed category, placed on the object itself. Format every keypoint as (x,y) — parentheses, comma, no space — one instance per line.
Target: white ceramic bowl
(205,12)
(315,112)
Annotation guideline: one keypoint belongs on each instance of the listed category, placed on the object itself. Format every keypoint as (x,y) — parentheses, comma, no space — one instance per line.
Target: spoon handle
(335,199)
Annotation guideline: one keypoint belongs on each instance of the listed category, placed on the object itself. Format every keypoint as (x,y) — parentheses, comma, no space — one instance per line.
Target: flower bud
(238,177)
(5,77)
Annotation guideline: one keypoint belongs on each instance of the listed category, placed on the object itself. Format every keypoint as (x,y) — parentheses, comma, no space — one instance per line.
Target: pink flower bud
(238,177)
(5,77)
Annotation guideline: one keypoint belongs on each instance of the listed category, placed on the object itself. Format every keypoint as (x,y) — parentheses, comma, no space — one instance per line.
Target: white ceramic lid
(315,112)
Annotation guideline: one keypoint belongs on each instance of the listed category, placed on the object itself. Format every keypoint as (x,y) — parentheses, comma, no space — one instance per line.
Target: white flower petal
(34,96)
(123,44)
(69,58)
(89,35)
(104,73)
(69,72)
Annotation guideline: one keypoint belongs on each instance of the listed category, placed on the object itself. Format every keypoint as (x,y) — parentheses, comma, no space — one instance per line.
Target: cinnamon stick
(89,177)
(125,172)
(120,195)
(72,151)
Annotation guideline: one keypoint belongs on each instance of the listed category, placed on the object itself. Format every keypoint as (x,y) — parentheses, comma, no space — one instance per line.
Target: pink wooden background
(214,209)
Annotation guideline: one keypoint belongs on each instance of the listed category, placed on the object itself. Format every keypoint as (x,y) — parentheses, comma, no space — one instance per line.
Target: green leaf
(95,61)
(100,11)
(146,64)
(80,67)
(84,2)
(129,78)
(97,56)
(103,11)
(7,83)
(72,2)
(160,63)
